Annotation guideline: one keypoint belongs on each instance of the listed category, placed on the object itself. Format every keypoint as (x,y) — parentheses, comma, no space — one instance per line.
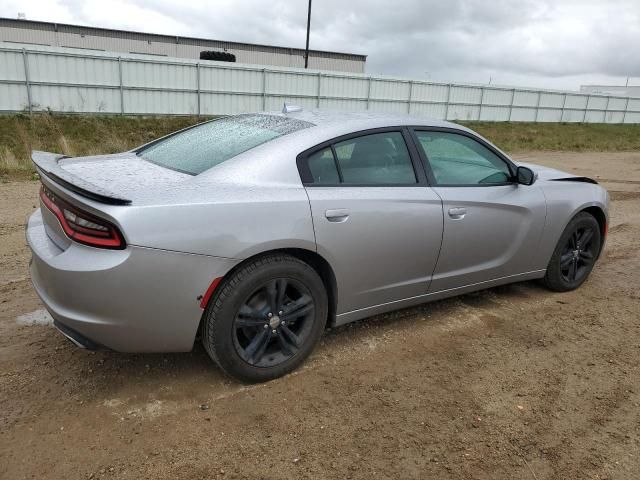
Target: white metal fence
(81,81)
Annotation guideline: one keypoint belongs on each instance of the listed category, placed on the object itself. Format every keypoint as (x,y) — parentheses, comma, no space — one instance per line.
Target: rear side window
(323,167)
(375,159)
(204,146)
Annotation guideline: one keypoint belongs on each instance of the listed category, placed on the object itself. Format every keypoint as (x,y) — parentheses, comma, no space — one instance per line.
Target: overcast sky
(545,43)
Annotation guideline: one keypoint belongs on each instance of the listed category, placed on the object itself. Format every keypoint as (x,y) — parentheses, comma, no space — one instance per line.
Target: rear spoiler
(47,164)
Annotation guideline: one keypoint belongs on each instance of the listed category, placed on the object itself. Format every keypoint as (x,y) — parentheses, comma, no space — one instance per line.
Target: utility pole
(306,50)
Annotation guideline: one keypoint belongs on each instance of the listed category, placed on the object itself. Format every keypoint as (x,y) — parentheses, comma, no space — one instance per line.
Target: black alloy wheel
(265,318)
(575,254)
(578,254)
(273,322)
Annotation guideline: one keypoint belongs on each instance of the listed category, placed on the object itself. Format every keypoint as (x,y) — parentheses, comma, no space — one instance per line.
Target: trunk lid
(117,179)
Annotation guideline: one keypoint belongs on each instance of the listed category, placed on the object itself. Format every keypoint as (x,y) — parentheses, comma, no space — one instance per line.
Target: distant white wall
(70,80)
(627,91)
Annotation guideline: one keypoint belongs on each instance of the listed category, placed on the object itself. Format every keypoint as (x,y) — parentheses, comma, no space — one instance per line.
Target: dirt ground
(513,382)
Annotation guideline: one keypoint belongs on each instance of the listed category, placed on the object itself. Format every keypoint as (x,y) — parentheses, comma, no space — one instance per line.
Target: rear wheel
(265,319)
(575,255)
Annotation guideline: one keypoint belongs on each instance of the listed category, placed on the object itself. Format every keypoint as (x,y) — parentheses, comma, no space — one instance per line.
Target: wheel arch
(324,270)
(593,209)
(554,278)
(560,213)
(311,258)
(598,213)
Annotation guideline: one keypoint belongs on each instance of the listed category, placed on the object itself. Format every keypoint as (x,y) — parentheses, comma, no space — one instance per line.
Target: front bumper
(133,300)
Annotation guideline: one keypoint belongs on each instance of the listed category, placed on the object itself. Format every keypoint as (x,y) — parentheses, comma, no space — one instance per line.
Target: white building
(103,39)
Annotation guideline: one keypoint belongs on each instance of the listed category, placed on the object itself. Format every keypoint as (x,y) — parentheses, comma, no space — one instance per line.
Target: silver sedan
(255,232)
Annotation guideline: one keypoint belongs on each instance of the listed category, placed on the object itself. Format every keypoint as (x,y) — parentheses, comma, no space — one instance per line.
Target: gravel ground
(512,382)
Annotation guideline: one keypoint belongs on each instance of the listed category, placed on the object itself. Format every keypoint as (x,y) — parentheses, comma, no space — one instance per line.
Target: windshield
(204,146)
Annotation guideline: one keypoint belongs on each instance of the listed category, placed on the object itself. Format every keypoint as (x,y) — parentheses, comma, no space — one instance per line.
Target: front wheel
(575,255)
(266,318)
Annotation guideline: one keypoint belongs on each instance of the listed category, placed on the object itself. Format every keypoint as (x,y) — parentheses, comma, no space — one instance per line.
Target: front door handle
(337,215)
(457,212)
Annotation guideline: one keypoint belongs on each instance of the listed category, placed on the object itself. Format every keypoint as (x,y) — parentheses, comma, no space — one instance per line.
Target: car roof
(362,120)
(327,124)
(275,160)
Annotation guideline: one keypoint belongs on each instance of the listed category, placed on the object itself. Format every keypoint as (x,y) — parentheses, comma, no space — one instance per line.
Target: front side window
(459,160)
(204,146)
(375,159)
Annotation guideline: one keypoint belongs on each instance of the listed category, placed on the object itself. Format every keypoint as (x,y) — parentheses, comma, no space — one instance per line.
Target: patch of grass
(574,137)
(76,135)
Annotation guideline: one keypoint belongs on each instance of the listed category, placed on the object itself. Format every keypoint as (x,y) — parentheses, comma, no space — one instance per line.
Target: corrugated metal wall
(65,80)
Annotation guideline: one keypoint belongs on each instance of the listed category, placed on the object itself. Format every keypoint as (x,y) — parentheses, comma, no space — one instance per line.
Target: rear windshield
(204,146)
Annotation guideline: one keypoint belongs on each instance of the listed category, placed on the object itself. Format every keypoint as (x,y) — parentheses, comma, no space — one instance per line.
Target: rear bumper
(133,300)
(78,339)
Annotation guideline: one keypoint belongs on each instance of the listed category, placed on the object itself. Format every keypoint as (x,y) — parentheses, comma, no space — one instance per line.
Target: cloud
(549,43)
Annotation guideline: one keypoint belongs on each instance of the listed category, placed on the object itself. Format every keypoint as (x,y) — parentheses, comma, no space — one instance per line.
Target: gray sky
(544,43)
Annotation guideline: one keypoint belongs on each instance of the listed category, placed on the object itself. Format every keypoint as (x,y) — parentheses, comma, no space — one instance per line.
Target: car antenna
(291,108)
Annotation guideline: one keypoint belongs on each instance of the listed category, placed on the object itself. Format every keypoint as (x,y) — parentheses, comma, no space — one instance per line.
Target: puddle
(39,317)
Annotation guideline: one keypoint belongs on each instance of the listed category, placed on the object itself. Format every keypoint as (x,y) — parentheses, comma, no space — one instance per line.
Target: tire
(575,254)
(246,338)
(217,56)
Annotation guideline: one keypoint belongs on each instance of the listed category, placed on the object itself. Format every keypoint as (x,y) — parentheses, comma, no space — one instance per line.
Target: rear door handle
(457,212)
(337,215)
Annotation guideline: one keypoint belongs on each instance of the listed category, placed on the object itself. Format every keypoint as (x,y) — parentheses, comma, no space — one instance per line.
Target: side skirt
(354,315)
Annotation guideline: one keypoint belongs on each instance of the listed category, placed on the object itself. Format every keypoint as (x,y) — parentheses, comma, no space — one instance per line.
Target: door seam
(435,265)
(313,223)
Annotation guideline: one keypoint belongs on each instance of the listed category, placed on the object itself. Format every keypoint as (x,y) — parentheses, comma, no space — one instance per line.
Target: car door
(492,225)
(375,220)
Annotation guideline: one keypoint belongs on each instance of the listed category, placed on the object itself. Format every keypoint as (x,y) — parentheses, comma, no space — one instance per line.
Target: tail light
(81,226)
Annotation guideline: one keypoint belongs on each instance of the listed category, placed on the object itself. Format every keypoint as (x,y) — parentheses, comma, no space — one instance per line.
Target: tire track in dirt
(429,392)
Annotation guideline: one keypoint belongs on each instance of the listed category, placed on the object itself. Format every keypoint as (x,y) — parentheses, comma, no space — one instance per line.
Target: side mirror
(525,176)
